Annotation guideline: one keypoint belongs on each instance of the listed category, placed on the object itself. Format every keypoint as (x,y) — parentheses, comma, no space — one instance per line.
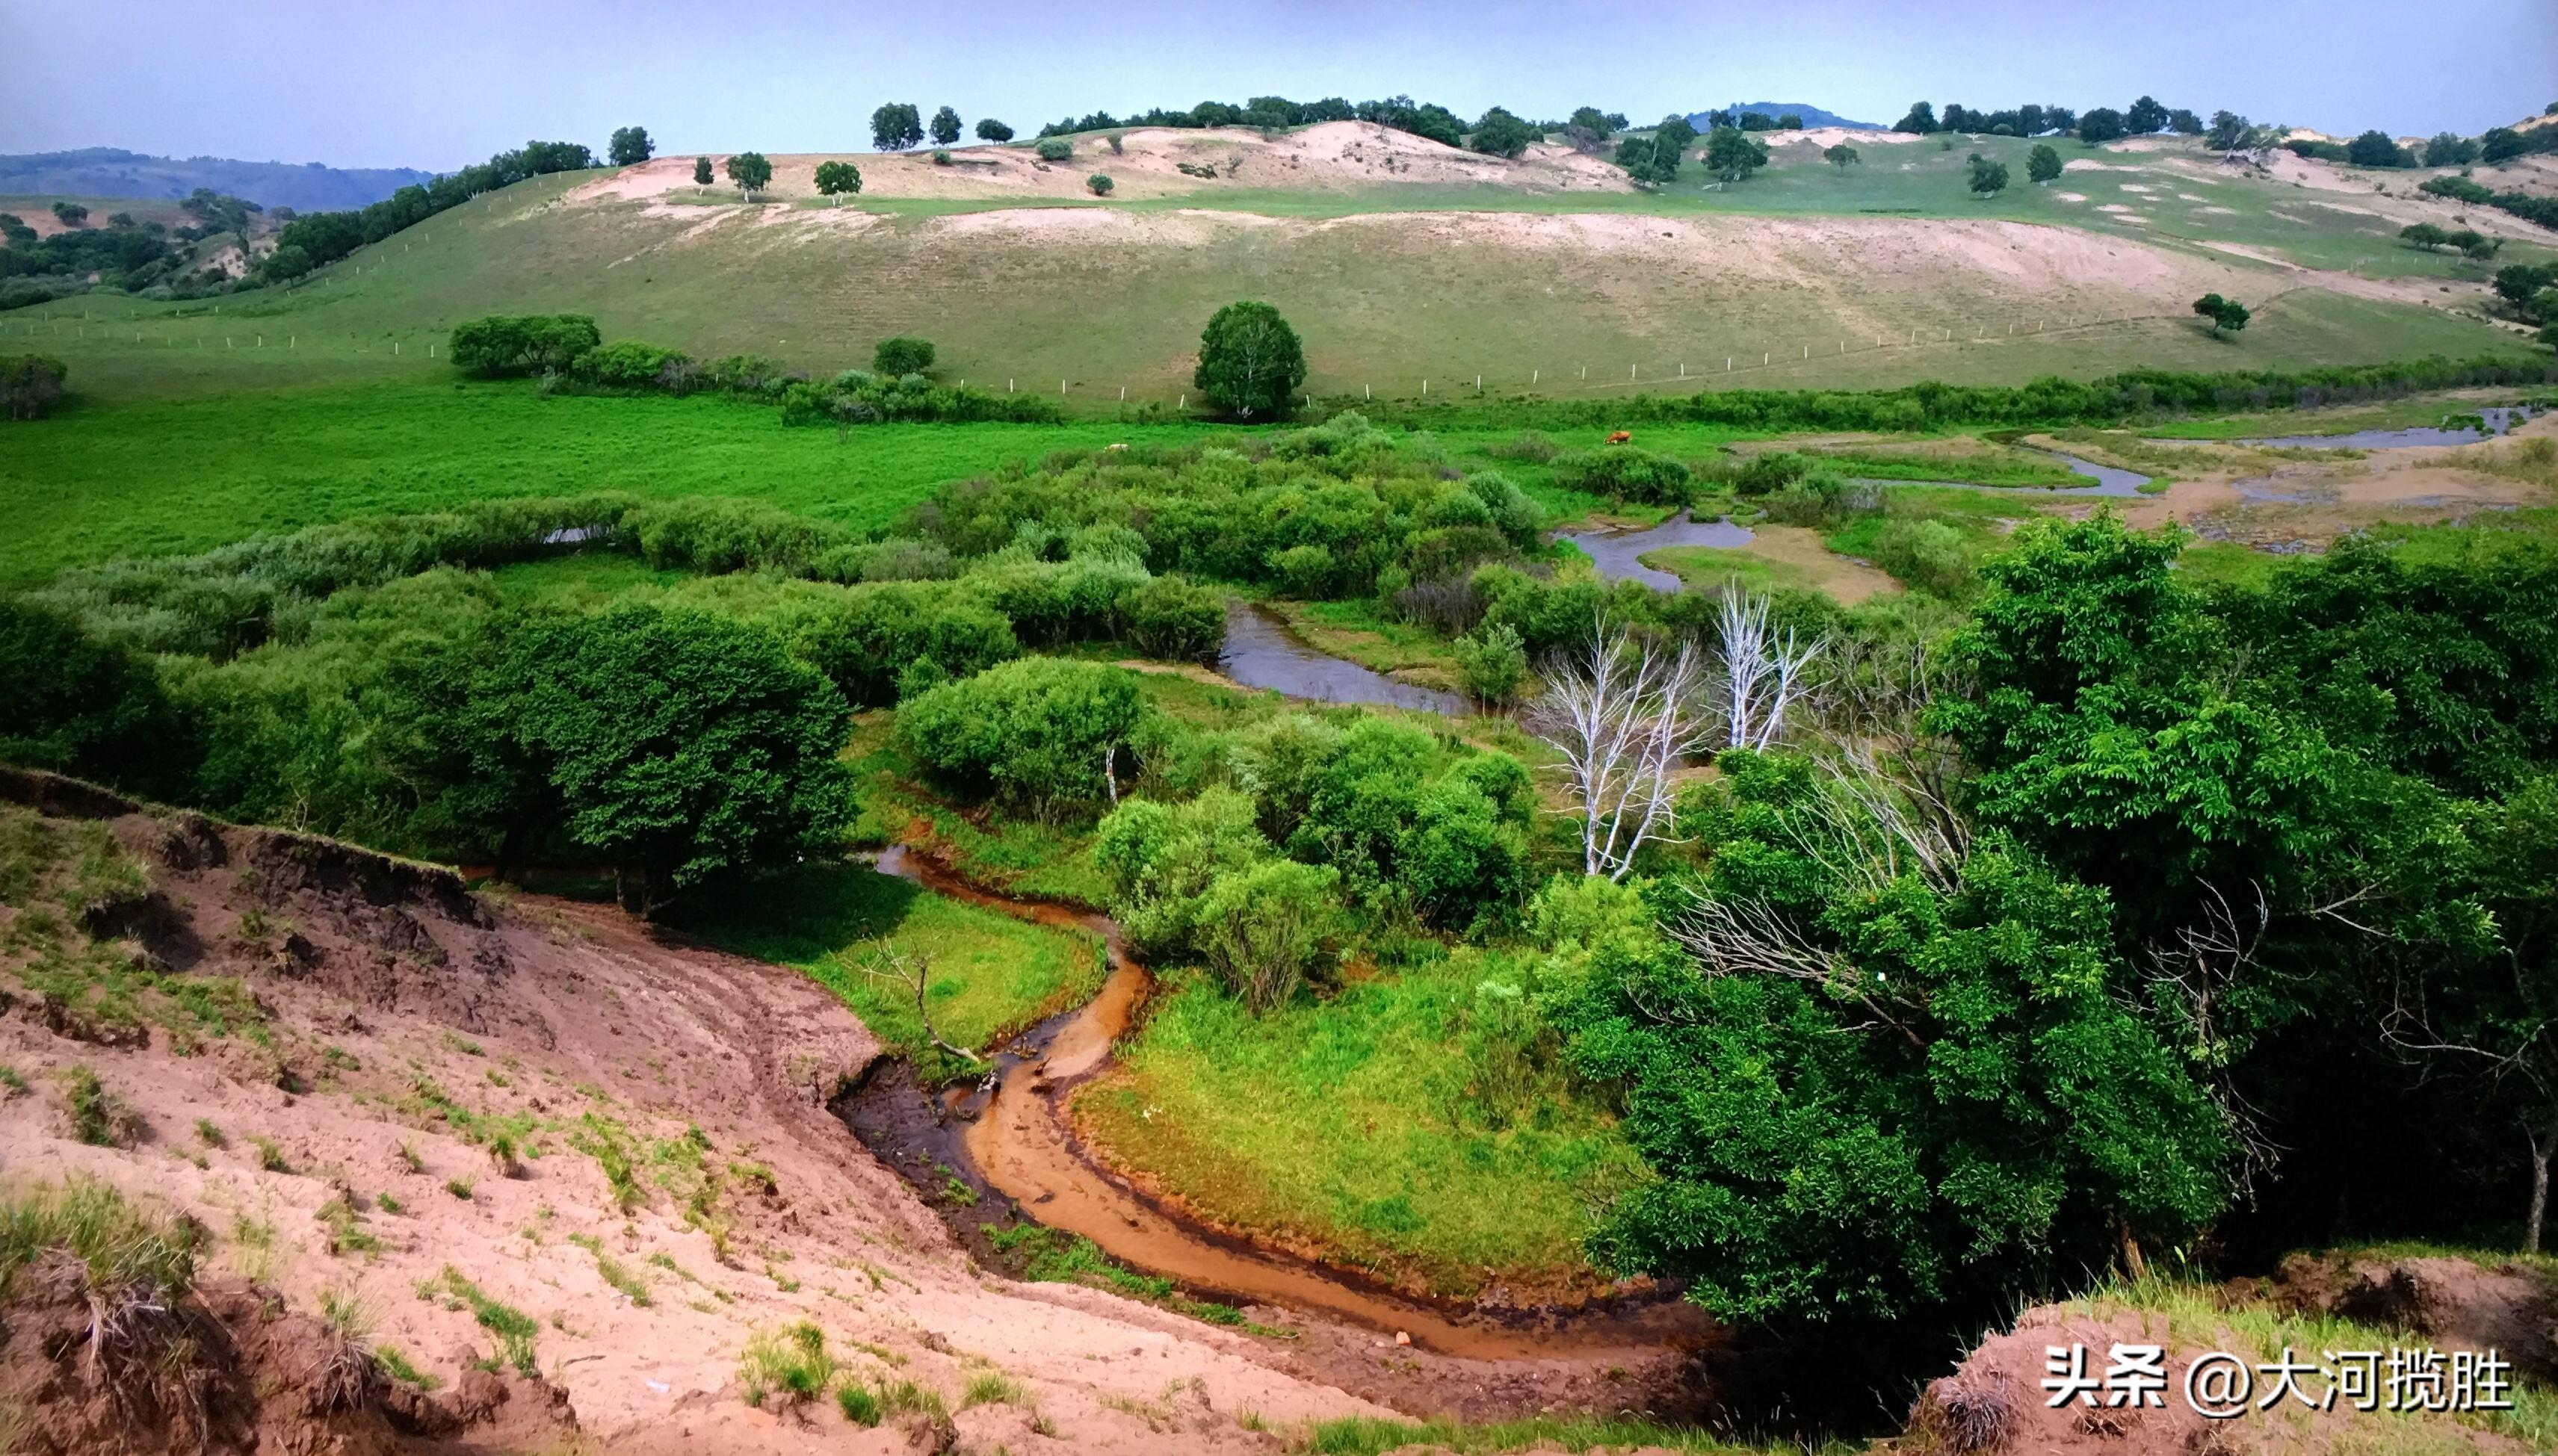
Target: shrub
(1264,929)
(1928,555)
(634,365)
(791,1364)
(942,156)
(1492,664)
(1099,182)
(1041,730)
(1174,620)
(901,355)
(31,384)
(99,1117)
(1053,149)
(1627,472)
(532,343)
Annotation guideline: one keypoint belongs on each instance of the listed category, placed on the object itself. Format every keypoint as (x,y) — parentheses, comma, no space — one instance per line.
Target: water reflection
(1260,652)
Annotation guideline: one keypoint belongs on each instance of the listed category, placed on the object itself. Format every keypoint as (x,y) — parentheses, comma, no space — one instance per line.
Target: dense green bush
(1043,732)
(81,707)
(633,366)
(1625,472)
(1250,363)
(1174,620)
(29,385)
(532,343)
(1052,149)
(901,355)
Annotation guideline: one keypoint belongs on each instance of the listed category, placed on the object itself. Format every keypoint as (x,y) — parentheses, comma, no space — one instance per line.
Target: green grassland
(990,974)
(1352,1123)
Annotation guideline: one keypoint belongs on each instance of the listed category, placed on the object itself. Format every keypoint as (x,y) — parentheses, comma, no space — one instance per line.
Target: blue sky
(435,86)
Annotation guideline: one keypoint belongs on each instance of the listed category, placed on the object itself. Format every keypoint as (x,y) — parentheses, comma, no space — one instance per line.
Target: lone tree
(1985,177)
(2099,126)
(901,355)
(1733,154)
(702,171)
(2373,148)
(2227,316)
(1842,157)
(1100,184)
(991,130)
(2424,236)
(2146,117)
(1251,363)
(70,215)
(1654,161)
(1600,124)
(1500,134)
(631,145)
(837,178)
(945,127)
(750,170)
(2042,164)
(895,126)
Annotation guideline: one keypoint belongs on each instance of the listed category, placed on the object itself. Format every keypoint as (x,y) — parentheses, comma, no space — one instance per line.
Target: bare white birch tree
(1622,717)
(1763,673)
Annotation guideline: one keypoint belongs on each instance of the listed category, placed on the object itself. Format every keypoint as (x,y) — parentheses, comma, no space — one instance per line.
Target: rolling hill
(1813,116)
(108,171)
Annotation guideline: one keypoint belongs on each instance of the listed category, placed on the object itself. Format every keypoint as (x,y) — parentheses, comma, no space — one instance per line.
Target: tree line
(316,239)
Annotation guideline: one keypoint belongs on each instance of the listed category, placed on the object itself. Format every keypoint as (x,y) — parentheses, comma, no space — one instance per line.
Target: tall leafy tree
(1500,134)
(1921,120)
(1732,154)
(750,170)
(895,126)
(2145,117)
(2374,148)
(702,171)
(834,179)
(2042,164)
(631,145)
(1250,363)
(1841,156)
(2104,124)
(945,127)
(1984,176)
(991,130)
(681,745)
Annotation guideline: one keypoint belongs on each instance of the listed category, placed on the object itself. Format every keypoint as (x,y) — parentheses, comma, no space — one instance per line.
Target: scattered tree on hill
(503,345)
(2227,316)
(752,172)
(630,146)
(1500,134)
(2424,236)
(702,171)
(1100,184)
(1986,177)
(2502,144)
(2059,118)
(1732,154)
(1922,120)
(991,130)
(945,127)
(2374,148)
(2184,123)
(1052,149)
(901,355)
(2229,131)
(70,215)
(2103,125)
(2145,118)
(1790,122)
(1841,156)
(895,126)
(2042,164)
(834,179)
(2450,149)
(1600,124)
(1654,161)
(1251,363)
(2475,245)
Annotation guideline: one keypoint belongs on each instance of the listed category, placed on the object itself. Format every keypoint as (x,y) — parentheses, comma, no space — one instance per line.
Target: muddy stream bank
(1007,1138)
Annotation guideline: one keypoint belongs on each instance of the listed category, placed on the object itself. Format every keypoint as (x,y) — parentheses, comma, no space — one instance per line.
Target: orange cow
(1622,437)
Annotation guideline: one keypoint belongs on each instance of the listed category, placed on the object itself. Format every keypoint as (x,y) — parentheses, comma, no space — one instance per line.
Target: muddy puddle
(1618,554)
(1006,1138)
(1260,652)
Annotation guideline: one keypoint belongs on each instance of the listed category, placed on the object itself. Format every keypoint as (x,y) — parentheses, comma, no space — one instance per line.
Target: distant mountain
(109,172)
(1813,115)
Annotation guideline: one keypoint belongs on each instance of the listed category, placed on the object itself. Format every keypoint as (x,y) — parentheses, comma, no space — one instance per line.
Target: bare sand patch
(2072,196)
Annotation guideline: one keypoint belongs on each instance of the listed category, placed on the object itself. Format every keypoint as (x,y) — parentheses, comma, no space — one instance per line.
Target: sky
(393,83)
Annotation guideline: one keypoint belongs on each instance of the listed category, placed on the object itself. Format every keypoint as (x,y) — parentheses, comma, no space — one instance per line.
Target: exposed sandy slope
(559,1012)
(1331,156)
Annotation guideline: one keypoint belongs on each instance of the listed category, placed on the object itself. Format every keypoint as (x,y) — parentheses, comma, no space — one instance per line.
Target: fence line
(1686,374)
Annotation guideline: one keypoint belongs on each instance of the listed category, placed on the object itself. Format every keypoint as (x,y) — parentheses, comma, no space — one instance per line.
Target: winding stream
(2500,419)
(1260,652)
(1618,554)
(1015,1139)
